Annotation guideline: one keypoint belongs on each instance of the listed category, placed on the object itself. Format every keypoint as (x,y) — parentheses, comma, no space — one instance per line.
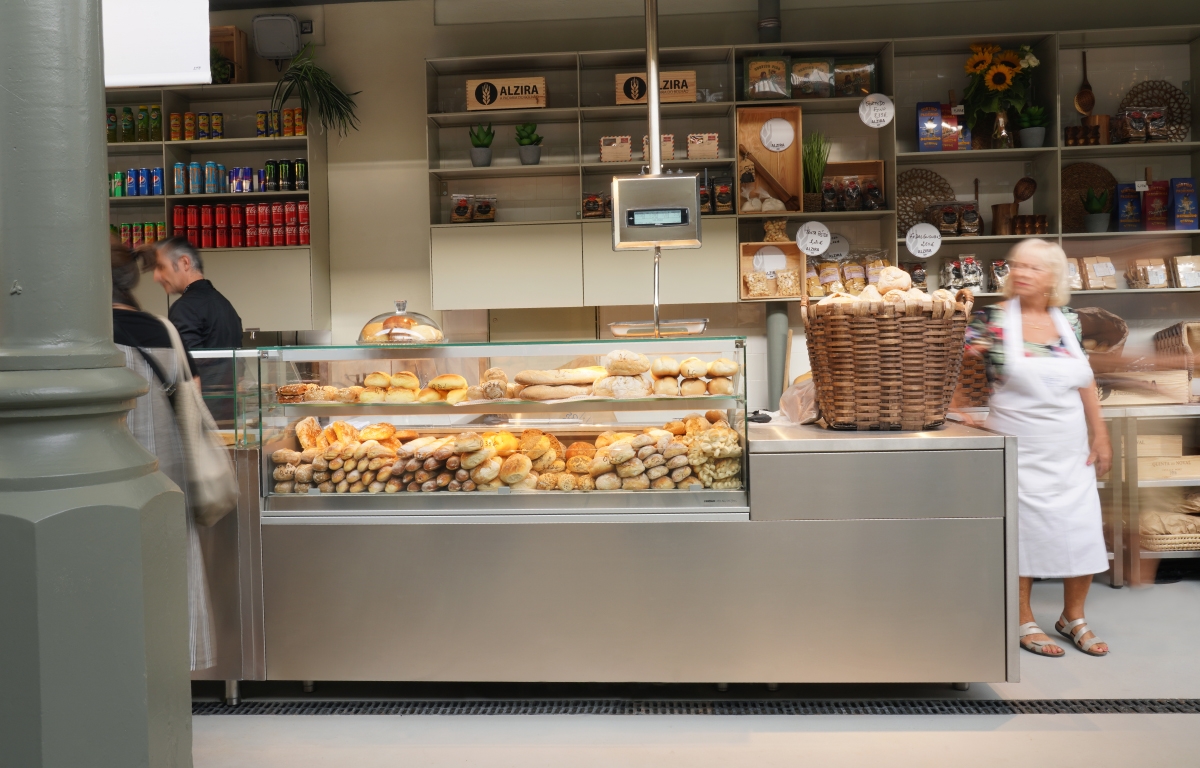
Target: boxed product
(1147,273)
(483,208)
(854,77)
(461,208)
(1099,274)
(1183,204)
(1154,206)
(1159,446)
(1162,387)
(616,149)
(1128,125)
(1128,210)
(1074,274)
(593,206)
(812,78)
(703,146)
(723,194)
(812,281)
(1186,270)
(668,147)
(949,129)
(767,77)
(1168,467)
(929,126)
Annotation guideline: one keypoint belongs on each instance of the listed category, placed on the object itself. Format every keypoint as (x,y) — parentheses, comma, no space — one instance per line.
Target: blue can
(180,185)
(143,181)
(222,179)
(211,183)
(247,179)
(156,181)
(195,179)
(131,182)
(262,180)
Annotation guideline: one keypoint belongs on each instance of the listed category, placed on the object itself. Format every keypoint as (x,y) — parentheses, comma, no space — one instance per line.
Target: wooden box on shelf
(781,172)
(506,93)
(1169,468)
(674,87)
(760,285)
(230,42)
(1145,388)
(862,169)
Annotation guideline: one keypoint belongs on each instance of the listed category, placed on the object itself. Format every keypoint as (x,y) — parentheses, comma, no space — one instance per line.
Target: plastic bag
(798,403)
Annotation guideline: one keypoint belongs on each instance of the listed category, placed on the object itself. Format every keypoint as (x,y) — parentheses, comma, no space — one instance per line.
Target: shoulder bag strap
(168,385)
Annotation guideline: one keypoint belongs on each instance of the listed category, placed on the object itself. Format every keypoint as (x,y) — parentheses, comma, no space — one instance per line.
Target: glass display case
(230,388)
(555,427)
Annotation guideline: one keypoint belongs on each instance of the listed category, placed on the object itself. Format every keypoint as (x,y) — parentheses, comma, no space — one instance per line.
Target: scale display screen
(657,217)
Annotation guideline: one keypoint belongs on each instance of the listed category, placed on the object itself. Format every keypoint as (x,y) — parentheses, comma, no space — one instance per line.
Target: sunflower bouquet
(1000,80)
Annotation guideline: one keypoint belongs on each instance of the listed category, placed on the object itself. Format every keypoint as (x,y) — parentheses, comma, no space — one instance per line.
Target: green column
(93,581)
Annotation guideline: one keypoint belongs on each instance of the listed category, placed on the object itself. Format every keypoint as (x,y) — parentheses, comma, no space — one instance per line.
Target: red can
(264,214)
(302,212)
(222,218)
(251,215)
(206,237)
(264,237)
(193,216)
(237,238)
(236,220)
(179,218)
(222,237)
(304,237)
(277,214)
(289,214)
(193,235)
(290,235)
(251,235)
(278,236)
(206,216)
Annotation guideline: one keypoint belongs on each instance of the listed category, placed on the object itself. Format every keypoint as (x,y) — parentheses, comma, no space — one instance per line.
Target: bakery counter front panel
(593,428)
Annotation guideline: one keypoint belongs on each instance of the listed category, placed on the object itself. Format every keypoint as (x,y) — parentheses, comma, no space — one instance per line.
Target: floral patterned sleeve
(985,336)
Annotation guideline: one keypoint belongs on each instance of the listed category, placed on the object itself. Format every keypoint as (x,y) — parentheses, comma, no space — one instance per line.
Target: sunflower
(987,49)
(998,78)
(1010,59)
(978,64)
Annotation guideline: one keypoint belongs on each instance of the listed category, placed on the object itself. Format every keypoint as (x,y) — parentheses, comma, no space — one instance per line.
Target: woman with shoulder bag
(149,353)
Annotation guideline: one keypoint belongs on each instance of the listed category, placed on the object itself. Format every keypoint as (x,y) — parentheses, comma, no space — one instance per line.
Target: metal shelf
(256,249)
(819,215)
(635,166)
(811,106)
(138,200)
(1178,554)
(1175,482)
(576,220)
(1139,234)
(508,406)
(503,117)
(668,111)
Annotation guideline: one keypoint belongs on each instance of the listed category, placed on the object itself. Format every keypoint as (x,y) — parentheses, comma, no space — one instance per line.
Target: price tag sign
(923,240)
(1141,186)
(813,238)
(958,109)
(839,248)
(876,110)
(777,134)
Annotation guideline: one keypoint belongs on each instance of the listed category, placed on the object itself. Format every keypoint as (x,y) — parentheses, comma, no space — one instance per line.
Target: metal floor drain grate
(767,707)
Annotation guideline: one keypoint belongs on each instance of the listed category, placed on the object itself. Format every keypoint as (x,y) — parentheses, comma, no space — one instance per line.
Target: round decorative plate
(1160,93)
(1077,179)
(915,189)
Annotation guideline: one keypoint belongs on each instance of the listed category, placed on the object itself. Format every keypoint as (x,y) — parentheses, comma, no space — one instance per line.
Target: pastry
(693,368)
(580,449)
(371,395)
(893,278)
(456,395)
(320,394)
(380,431)
(720,385)
(494,374)
(403,435)
(405,380)
(371,330)
(722,367)
(554,392)
(447,382)
(348,394)
(515,468)
(345,433)
(514,390)
(693,387)
(428,395)
(399,395)
(494,389)
(308,432)
(665,366)
(668,387)
(575,376)
(378,379)
(623,387)
(622,362)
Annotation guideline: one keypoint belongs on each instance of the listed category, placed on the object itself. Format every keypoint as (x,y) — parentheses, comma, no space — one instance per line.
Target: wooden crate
(795,260)
(786,167)
(673,87)
(1144,388)
(1169,468)
(506,93)
(231,43)
(860,168)
(1159,446)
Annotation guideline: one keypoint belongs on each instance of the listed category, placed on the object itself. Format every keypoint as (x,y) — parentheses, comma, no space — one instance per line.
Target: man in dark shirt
(204,318)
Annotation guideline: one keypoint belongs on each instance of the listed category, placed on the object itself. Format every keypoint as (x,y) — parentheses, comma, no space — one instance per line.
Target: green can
(156,133)
(113,125)
(127,124)
(160,230)
(116,184)
(143,123)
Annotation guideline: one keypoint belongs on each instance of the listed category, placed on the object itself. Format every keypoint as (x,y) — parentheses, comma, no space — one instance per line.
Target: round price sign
(839,248)
(923,240)
(813,238)
(876,110)
(777,134)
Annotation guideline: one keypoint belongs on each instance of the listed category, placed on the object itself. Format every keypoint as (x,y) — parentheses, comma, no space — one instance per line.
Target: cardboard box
(1128,210)
(673,87)
(1186,271)
(1164,468)
(1159,446)
(1099,274)
(703,146)
(1154,206)
(668,147)
(949,129)
(1184,205)
(929,126)
(812,78)
(506,93)
(616,149)
(1144,388)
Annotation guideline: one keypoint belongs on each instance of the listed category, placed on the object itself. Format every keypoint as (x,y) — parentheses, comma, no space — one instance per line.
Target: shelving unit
(273,288)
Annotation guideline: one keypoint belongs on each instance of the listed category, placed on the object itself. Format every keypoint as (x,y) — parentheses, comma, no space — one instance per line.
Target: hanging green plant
(319,96)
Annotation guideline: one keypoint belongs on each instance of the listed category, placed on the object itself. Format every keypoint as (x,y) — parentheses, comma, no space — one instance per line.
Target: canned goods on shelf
(222,179)
(180,181)
(264,214)
(221,215)
(222,239)
(264,236)
(251,236)
(291,235)
(131,182)
(236,220)
(300,173)
(160,231)
(304,234)
(193,216)
(211,183)
(288,126)
(260,123)
(289,214)
(116,184)
(179,218)
(195,178)
(273,127)
(277,214)
(271,176)
(302,212)
(156,181)
(206,237)
(189,126)
(237,238)
(206,216)
(175,126)
(251,215)
(193,236)
(278,236)
(298,121)
(126,235)
(139,234)
(143,182)
(202,125)
(285,176)
(216,125)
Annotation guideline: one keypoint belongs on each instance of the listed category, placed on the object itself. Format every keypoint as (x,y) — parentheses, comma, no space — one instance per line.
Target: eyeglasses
(1019,266)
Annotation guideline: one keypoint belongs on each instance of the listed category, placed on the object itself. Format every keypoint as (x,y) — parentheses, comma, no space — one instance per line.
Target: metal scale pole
(655,140)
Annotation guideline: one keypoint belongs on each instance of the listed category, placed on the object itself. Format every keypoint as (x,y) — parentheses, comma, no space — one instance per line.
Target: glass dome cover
(400,327)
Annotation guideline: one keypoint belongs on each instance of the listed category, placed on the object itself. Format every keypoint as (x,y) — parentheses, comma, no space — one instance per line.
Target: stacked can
(126,235)
(116,184)
(193,225)
(189,126)
(221,220)
(264,225)
(251,225)
(156,181)
(202,125)
(195,178)
(300,174)
(179,184)
(286,121)
(298,123)
(285,175)
(131,182)
(211,184)
(222,179)
(216,125)
(237,235)
(179,221)
(175,126)
(206,226)
(270,176)
(302,221)
(261,123)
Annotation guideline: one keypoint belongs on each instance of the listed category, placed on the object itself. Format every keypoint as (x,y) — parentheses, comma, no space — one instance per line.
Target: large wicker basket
(1175,542)
(886,366)
(1178,341)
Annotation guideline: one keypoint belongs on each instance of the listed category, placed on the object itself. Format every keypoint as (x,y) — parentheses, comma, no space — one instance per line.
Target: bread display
(699,451)
(623,387)
(622,362)
(665,366)
(575,376)
(693,368)
(554,391)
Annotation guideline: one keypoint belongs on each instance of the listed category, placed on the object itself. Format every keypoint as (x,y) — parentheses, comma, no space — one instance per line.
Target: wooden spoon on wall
(1085,100)
(1024,189)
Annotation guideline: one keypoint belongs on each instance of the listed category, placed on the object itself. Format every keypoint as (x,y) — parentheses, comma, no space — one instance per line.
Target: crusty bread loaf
(722,366)
(622,362)
(456,395)
(494,374)
(893,279)
(378,379)
(623,387)
(348,394)
(693,387)
(667,386)
(447,382)
(693,368)
(515,468)
(371,395)
(380,431)
(573,376)
(720,385)
(405,380)
(494,389)
(553,392)
(475,393)
(580,449)
(665,366)
(308,432)
(344,432)
(321,395)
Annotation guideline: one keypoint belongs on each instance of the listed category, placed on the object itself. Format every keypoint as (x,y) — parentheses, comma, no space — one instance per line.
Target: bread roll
(447,382)
(308,432)
(404,435)
(641,441)
(426,451)
(547,481)
(693,368)
(608,482)
(566,481)
(494,389)
(371,395)
(527,483)
(662,484)
(514,390)
(405,380)
(688,483)
(576,376)
(547,461)
(722,366)
(476,393)
(468,442)
(623,387)
(346,433)
(543,392)
(286,456)
(580,449)
(665,366)
(456,395)
(869,295)
(646,452)
(942,294)
(488,470)
(621,452)
(428,395)
(321,395)
(622,362)
(585,483)
(348,394)
(504,443)
(494,374)
(714,416)
(380,431)
(533,443)
(635,483)
(399,395)
(693,387)
(378,379)
(655,472)
(666,387)
(894,296)
(893,278)
(653,460)
(474,459)
(515,468)
(720,385)
(579,464)
(630,468)
(679,473)
(675,428)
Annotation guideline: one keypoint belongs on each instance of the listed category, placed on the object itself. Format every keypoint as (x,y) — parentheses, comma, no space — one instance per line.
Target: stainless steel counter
(809,438)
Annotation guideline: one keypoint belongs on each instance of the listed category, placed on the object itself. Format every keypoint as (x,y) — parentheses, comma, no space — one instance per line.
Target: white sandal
(1038,646)
(1074,631)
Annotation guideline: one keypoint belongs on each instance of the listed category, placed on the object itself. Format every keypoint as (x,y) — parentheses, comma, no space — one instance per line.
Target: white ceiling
(490,11)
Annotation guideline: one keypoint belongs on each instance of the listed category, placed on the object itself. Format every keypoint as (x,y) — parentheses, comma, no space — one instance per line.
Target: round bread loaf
(405,380)
(308,432)
(621,452)
(371,395)
(689,482)
(505,443)
(668,387)
(468,442)
(693,387)
(635,483)
(429,395)
(622,387)
(714,416)
(585,483)
(380,431)
(494,389)
(487,471)
(579,464)
(580,449)
(447,382)
(400,395)
(894,296)
(693,368)
(456,395)
(515,468)
(622,362)
(893,278)
(542,392)
(495,374)
(722,366)
(665,366)
(608,482)
(675,427)
(527,483)
(630,468)
(662,484)
(378,379)
(476,393)
(576,376)
(720,385)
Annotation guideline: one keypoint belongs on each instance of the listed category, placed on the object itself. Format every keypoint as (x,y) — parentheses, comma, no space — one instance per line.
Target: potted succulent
(816,155)
(529,144)
(481,145)
(1033,127)
(1097,208)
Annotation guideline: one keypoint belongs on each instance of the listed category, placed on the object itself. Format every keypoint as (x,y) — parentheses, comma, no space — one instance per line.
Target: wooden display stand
(782,172)
(795,260)
(230,42)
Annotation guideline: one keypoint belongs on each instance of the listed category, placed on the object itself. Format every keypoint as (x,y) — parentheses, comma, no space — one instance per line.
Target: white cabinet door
(271,290)
(705,275)
(500,267)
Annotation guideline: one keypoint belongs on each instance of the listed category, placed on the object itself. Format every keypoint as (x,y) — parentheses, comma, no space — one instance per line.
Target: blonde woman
(1043,393)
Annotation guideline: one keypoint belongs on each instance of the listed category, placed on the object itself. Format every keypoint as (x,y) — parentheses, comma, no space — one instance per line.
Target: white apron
(1060,528)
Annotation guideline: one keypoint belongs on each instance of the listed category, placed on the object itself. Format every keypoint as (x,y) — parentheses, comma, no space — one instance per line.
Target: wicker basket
(977,391)
(1178,341)
(1103,327)
(1174,542)
(886,366)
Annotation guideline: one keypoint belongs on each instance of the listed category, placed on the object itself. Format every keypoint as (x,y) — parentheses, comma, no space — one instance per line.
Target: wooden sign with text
(506,93)
(672,87)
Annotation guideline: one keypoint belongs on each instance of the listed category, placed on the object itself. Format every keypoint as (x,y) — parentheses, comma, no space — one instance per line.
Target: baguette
(576,376)
(554,392)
